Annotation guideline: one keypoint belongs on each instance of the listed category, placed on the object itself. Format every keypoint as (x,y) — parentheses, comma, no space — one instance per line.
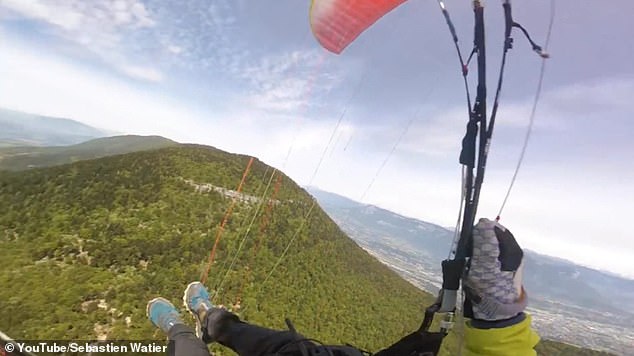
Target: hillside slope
(20,158)
(90,243)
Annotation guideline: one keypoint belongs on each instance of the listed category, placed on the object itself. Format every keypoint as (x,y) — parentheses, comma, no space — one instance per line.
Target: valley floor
(550,324)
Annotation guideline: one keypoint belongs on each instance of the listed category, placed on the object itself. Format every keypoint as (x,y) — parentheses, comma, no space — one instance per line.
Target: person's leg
(416,343)
(183,340)
(246,339)
(219,325)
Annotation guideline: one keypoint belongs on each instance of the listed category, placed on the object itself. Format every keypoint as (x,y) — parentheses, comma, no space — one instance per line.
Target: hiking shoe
(196,300)
(162,314)
(494,280)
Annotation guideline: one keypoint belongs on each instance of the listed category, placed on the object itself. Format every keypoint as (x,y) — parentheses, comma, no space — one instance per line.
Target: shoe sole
(199,332)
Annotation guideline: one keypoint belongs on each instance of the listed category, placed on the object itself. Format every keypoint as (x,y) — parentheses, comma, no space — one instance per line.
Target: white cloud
(38,84)
(72,15)
(594,96)
(144,73)
(56,13)
(200,34)
(288,81)
(439,134)
(174,49)
(100,26)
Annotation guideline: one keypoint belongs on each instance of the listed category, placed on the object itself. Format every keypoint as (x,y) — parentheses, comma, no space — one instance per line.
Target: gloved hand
(493,282)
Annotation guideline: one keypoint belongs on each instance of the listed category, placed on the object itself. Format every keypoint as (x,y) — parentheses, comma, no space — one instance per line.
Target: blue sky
(248,77)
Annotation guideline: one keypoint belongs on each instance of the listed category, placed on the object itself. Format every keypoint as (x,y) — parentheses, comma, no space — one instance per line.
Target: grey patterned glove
(493,283)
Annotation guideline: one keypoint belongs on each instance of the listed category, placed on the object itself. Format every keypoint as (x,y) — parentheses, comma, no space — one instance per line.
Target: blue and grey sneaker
(163,314)
(196,300)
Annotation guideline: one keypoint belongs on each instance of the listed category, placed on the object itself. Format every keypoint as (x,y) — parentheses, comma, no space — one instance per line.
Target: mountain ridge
(24,129)
(28,157)
(314,190)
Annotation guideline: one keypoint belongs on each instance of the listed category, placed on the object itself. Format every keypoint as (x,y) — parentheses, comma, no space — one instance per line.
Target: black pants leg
(247,339)
(185,343)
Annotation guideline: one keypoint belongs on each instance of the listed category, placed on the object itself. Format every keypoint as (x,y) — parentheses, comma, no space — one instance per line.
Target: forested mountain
(23,129)
(20,158)
(90,243)
(85,245)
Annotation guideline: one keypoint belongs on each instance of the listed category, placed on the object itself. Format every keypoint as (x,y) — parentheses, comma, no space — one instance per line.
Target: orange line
(221,228)
(263,225)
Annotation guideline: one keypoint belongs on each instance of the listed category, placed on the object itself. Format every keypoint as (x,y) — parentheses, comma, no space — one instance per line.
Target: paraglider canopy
(336,23)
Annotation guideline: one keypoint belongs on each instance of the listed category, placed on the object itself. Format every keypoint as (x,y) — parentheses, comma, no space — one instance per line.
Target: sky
(249,77)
